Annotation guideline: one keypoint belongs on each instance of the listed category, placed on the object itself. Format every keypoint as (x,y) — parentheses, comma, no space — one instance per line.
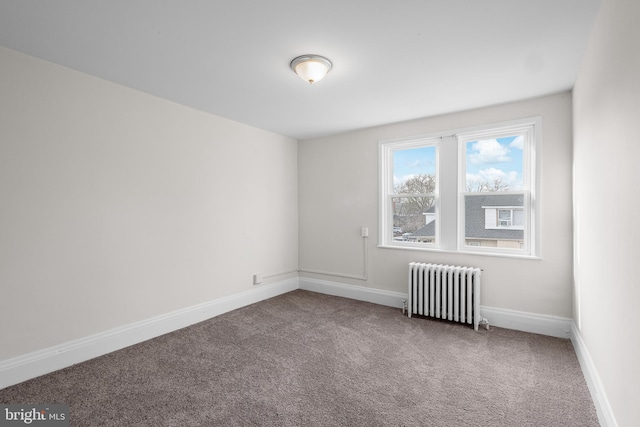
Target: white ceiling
(394,60)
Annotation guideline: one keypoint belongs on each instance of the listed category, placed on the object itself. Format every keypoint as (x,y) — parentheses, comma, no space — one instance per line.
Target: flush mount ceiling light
(311,68)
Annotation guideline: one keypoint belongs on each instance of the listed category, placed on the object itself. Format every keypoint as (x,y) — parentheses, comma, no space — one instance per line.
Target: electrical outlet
(364,231)
(257,278)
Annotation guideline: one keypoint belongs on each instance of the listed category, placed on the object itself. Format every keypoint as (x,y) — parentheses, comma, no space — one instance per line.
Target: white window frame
(530,129)
(386,187)
(450,187)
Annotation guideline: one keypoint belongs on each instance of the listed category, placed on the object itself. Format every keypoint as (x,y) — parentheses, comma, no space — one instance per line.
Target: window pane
(494,164)
(414,170)
(488,225)
(518,217)
(504,217)
(414,219)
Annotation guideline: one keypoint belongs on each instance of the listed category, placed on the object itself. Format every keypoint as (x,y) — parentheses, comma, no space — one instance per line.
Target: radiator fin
(445,292)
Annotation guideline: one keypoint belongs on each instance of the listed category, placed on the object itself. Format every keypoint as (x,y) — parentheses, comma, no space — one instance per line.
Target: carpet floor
(308,359)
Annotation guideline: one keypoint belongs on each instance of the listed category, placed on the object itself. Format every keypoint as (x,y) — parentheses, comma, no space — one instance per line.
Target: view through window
(414,194)
(472,190)
(494,192)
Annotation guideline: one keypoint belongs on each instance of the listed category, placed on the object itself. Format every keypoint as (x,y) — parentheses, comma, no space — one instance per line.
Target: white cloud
(488,151)
(518,142)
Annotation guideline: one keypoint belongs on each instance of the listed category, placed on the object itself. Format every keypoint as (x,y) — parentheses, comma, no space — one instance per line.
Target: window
(506,218)
(470,190)
(410,192)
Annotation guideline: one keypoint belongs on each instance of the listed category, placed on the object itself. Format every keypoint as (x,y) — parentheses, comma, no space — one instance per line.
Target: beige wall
(338,194)
(607,204)
(118,206)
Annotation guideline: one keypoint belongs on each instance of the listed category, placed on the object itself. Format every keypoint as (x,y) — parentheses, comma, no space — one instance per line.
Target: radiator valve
(484,322)
(404,306)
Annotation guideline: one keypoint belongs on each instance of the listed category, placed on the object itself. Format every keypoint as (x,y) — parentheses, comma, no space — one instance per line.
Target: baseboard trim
(553,326)
(31,365)
(360,293)
(603,408)
(509,319)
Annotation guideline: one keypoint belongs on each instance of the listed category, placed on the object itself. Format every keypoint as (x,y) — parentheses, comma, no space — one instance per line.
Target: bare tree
(412,203)
(485,186)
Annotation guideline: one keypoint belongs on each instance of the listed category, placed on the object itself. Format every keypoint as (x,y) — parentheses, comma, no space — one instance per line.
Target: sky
(491,159)
(486,160)
(414,161)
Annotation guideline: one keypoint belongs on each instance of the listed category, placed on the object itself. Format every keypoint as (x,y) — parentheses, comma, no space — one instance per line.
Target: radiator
(445,292)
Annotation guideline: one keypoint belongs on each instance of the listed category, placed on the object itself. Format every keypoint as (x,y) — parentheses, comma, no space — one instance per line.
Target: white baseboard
(553,326)
(605,413)
(360,293)
(509,319)
(31,365)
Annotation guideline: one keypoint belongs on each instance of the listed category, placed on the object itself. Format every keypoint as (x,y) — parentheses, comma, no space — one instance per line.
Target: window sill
(448,251)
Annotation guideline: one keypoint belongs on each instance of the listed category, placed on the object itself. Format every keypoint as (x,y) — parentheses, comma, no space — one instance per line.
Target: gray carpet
(307,359)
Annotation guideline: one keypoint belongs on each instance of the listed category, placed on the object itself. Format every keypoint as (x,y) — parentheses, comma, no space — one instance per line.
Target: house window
(505,217)
(469,190)
(508,218)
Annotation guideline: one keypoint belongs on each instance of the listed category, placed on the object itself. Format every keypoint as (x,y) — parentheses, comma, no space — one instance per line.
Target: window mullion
(448,190)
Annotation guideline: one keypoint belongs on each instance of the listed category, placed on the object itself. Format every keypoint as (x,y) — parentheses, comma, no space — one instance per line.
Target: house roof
(428,230)
(475,222)
(502,200)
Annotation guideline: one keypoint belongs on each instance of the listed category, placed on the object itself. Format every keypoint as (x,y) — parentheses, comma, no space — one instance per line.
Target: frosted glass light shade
(311,68)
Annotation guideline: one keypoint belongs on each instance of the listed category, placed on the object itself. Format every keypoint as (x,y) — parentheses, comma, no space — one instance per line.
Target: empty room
(411,213)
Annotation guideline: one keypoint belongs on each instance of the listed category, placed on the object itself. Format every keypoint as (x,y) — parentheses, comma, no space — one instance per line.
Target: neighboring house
(426,234)
(491,220)
(494,220)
